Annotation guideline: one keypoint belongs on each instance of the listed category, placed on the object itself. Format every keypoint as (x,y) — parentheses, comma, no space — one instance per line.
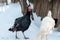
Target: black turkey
(23,23)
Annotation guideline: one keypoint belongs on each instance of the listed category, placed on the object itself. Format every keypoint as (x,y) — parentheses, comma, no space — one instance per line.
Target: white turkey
(47,26)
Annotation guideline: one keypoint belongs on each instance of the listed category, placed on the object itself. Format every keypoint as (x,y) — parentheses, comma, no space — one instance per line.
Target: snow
(37,23)
(7,19)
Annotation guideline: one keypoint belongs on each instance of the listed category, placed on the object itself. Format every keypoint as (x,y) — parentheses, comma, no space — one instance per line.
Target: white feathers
(49,14)
(27,2)
(30,4)
(47,25)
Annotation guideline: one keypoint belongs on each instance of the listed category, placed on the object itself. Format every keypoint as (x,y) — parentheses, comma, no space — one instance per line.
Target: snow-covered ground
(7,18)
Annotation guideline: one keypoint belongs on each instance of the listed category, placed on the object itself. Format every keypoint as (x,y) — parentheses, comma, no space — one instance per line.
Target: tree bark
(43,8)
(55,9)
(58,16)
(23,6)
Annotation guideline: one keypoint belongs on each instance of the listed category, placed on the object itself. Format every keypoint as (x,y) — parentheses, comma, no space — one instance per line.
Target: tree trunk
(58,16)
(23,6)
(55,9)
(42,8)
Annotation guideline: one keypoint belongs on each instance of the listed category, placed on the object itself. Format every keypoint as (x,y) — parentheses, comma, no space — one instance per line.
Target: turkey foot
(26,38)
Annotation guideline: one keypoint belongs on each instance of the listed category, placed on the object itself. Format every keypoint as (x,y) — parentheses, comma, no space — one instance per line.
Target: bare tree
(23,6)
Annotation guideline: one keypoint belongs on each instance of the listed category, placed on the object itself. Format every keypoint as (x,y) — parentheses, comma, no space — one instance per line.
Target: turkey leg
(25,36)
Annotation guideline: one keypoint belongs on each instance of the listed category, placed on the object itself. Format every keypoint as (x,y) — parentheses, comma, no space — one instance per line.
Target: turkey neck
(28,15)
